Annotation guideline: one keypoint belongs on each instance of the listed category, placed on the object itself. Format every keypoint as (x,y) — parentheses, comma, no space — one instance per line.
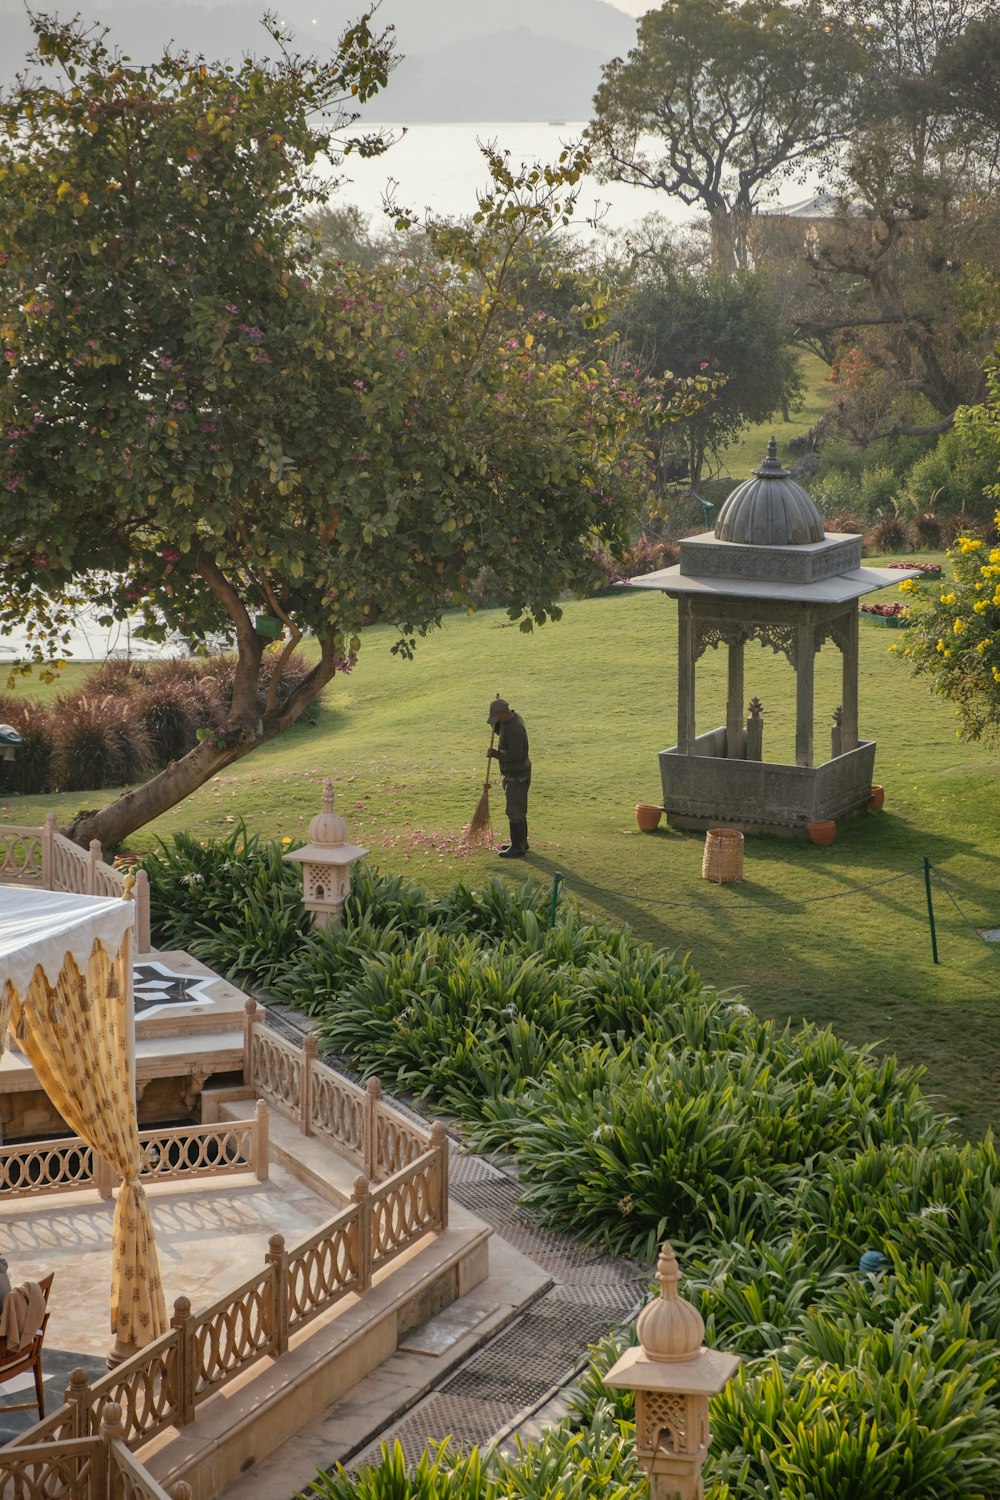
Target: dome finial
(328,827)
(771,468)
(769,510)
(669,1328)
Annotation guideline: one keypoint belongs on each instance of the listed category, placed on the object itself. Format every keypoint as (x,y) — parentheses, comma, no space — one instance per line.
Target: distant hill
(462,59)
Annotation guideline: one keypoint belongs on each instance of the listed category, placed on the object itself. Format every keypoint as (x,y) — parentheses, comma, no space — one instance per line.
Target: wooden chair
(16,1361)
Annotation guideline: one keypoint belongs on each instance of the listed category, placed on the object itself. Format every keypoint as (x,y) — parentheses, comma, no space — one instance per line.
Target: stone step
(424,1357)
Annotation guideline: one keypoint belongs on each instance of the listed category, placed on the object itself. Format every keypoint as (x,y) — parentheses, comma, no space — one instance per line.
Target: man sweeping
(515,773)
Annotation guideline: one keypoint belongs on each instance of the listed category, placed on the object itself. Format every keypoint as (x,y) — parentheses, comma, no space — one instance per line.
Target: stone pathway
(502,1388)
(513,1382)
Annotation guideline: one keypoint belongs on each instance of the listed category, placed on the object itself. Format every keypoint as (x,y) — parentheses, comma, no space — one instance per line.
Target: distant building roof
(819,206)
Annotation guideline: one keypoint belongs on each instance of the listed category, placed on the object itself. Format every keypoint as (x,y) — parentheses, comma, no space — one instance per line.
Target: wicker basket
(723,857)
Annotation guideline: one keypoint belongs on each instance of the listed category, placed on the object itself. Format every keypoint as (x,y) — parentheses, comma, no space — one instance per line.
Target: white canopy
(42,927)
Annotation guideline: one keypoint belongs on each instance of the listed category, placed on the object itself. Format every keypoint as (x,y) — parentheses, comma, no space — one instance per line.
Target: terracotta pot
(823,832)
(877,799)
(647,816)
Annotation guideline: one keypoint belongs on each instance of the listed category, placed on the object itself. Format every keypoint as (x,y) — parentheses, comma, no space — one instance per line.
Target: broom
(479,830)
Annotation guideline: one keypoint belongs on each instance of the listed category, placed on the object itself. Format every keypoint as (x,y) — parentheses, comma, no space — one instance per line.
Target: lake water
(440,168)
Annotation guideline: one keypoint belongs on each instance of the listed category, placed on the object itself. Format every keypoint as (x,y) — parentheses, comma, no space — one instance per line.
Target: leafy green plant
(640,1104)
(226,901)
(566,1464)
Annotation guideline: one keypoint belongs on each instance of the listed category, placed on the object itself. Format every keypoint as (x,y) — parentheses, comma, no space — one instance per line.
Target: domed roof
(328,827)
(670,1330)
(770,510)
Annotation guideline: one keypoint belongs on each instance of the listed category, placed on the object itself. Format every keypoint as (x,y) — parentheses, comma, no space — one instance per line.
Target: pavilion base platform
(217,1234)
(708,789)
(189,1036)
(242,1425)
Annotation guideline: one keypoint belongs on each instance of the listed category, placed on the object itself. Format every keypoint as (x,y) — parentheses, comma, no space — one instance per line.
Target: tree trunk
(133,809)
(729,228)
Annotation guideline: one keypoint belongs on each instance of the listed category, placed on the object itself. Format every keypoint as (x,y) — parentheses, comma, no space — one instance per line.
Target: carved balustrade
(43,857)
(162,1384)
(202,1352)
(97,1467)
(363,1124)
(21,860)
(32,1168)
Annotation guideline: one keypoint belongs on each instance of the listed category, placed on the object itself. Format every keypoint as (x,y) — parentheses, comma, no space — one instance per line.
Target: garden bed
(927,570)
(891,616)
(640,1104)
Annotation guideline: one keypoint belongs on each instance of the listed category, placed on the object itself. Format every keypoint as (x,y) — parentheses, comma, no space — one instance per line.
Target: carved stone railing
(202,1352)
(708,786)
(43,857)
(375,1134)
(34,1168)
(84,1468)
(21,860)
(408,1204)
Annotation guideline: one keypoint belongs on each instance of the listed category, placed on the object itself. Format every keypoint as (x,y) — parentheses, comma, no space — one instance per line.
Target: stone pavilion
(768,573)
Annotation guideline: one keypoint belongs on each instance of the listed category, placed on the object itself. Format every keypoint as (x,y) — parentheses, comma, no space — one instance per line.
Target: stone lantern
(673,1375)
(326,863)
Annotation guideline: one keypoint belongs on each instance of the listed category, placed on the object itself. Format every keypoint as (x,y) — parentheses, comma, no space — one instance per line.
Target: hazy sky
(634,7)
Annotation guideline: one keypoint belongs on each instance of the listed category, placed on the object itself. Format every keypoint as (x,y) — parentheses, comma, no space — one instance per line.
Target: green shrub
(952,479)
(631,1144)
(878,489)
(596,1462)
(836,493)
(894,1420)
(98,741)
(232,902)
(891,534)
(639,1104)
(30,772)
(439,1474)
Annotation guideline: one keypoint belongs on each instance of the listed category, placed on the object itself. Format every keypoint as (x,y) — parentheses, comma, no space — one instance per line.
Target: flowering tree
(954,636)
(208,423)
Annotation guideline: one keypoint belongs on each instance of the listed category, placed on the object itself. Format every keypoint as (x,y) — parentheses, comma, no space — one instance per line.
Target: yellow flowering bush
(955,636)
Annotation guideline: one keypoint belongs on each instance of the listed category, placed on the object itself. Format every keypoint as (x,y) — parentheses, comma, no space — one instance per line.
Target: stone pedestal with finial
(326,863)
(673,1375)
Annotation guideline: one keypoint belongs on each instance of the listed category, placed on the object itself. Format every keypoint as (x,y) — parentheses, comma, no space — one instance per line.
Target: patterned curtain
(75,1037)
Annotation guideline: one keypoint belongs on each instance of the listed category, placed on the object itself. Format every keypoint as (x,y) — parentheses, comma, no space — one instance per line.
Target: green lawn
(740,459)
(406,745)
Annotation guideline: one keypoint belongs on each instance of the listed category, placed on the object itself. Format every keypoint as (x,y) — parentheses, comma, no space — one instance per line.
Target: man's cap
(497,707)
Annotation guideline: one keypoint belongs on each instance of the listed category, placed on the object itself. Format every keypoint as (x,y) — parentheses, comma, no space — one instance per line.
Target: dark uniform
(515,772)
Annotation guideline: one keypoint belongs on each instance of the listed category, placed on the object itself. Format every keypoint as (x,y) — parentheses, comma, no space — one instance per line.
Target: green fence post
(930,908)
(555,899)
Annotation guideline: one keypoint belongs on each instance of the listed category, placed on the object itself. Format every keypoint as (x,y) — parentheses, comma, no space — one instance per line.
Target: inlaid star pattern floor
(154,987)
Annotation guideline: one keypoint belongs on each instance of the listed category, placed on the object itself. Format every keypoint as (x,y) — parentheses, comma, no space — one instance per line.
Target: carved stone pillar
(735,744)
(848,641)
(805,663)
(685,678)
